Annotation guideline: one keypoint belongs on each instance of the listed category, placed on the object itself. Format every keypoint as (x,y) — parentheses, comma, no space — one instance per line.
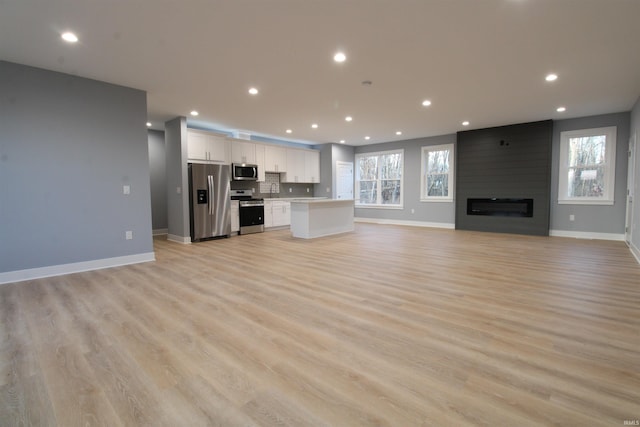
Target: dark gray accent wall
(505,162)
(414,209)
(68,145)
(175,137)
(158,179)
(592,218)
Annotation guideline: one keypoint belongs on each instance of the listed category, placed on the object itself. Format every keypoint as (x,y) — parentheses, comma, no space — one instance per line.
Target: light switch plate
(126,189)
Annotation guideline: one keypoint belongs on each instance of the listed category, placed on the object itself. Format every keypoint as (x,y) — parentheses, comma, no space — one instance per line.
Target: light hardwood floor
(389,325)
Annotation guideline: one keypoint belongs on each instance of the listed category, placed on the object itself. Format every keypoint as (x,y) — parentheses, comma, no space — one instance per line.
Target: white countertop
(320,201)
(290,199)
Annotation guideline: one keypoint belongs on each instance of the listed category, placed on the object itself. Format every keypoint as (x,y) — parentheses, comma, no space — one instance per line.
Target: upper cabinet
(302,166)
(207,147)
(295,166)
(260,161)
(312,166)
(243,152)
(275,158)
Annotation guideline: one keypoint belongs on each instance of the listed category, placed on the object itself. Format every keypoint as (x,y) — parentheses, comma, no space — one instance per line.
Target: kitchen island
(312,218)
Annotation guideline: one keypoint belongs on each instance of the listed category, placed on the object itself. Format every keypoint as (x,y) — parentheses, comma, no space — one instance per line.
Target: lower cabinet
(235,216)
(277,213)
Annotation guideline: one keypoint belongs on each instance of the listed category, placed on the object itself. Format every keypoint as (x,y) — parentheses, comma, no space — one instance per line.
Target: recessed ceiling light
(426,103)
(194,113)
(367,138)
(561,109)
(342,141)
(69,37)
(551,77)
(288,131)
(348,118)
(465,123)
(339,57)
(315,126)
(253,91)
(148,124)
(398,132)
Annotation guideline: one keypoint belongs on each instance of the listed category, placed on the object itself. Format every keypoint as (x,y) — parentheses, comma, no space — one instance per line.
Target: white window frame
(423,173)
(357,182)
(609,165)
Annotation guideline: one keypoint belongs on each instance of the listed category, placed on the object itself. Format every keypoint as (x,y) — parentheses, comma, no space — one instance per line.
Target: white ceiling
(477,60)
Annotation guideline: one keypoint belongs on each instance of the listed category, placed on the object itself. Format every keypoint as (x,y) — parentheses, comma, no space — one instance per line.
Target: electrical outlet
(128,235)
(413,211)
(290,190)
(126,189)
(307,189)
(572,217)
(178,190)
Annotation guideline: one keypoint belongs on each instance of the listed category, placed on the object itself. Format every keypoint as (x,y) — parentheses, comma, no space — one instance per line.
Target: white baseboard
(179,239)
(587,235)
(76,267)
(635,251)
(160,231)
(403,222)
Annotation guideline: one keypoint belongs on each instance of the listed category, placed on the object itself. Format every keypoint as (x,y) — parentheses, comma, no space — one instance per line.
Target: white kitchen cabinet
(295,166)
(312,166)
(243,151)
(268,213)
(302,166)
(235,216)
(277,213)
(260,162)
(275,159)
(281,212)
(206,147)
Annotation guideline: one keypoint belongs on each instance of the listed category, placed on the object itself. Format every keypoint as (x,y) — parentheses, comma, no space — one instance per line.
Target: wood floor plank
(387,325)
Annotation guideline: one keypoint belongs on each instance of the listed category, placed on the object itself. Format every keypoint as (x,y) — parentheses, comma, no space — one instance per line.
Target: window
(587,166)
(379,179)
(437,173)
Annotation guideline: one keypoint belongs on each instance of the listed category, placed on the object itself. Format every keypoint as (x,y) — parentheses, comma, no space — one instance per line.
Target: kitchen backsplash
(272,187)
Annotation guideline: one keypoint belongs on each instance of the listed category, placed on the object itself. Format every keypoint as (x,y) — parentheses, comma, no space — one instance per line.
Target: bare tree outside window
(587,166)
(379,178)
(437,173)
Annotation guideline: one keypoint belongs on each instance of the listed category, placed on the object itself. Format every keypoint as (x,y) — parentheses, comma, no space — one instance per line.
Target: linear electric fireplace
(503,179)
(500,207)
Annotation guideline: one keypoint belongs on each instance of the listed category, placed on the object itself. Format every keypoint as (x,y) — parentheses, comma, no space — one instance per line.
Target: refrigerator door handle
(210,181)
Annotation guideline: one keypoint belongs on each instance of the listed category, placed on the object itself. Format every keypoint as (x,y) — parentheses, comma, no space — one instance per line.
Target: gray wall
(511,162)
(429,212)
(329,155)
(635,221)
(67,147)
(592,218)
(158,179)
(175,132)
(323,189)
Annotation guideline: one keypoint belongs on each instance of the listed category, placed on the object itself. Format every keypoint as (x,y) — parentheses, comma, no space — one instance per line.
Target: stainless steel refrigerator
(209,197)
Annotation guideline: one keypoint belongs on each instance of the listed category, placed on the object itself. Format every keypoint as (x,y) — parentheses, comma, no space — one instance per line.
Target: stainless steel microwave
(244,172)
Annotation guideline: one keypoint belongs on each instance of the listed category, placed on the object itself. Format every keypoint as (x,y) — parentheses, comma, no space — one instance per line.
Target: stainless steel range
(251,211)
